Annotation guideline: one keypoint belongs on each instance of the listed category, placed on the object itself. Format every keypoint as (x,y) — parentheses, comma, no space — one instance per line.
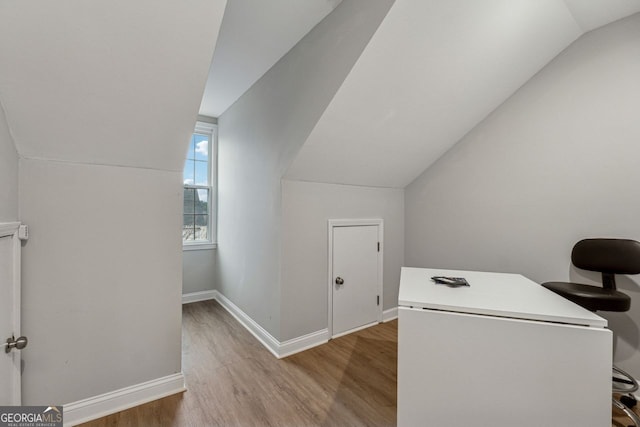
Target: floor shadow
(362,383)
(378,393)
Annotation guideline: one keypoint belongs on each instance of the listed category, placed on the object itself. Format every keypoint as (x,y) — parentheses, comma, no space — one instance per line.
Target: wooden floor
(621,420)
(233,380)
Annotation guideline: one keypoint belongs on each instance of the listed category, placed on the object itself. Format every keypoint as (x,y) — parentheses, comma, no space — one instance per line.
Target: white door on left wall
(10,383)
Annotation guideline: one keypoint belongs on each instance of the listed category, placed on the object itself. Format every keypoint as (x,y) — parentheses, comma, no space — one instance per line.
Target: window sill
(199,246)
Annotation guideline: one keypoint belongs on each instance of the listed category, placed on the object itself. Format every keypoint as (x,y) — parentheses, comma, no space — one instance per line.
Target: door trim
(10,230)
(331,224)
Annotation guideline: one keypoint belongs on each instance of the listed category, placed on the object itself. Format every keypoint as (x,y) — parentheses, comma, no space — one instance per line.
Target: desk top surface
(494,294)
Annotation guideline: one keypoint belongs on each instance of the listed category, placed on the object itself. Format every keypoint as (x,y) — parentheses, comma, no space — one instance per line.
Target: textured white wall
(258,138)
(306,207)
(8,173)
(555,163)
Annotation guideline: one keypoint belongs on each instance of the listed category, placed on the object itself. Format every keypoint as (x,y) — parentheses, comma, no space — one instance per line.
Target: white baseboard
(390,314)
(198,296)
(261,334)
(119,400)
(277,348)
(305,342)
(359,328)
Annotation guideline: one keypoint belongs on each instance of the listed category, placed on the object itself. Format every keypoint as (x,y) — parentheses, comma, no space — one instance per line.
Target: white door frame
(332,223)
(10,229)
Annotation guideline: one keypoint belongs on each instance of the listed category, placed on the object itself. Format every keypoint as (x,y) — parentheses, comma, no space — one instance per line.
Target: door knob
(339,280)
(18,344)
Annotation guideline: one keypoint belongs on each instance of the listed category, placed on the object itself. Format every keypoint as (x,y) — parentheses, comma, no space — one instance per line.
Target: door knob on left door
(339,281)
(18,344)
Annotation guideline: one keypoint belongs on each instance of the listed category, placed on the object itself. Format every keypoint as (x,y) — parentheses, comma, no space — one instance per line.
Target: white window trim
(199,246)
(210,129)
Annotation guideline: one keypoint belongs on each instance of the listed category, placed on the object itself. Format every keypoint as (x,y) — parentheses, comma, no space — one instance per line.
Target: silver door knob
(18,344)
(339,281)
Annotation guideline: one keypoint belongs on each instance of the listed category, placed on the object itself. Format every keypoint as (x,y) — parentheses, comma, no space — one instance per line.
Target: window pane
(188,175)
(201,201)
(201,173)
(188,228)
(191,154)
(201,226)
(201,220)
(189,200)
(201,147)
(197,201)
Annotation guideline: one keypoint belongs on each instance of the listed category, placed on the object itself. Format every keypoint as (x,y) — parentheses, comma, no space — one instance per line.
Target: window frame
(210,130)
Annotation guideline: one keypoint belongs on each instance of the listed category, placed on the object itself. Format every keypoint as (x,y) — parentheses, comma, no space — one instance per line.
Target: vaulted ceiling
(105,82)
(130,76)
(432,71)
(254,35)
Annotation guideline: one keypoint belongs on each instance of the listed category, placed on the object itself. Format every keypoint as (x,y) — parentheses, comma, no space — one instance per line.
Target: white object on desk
(502,352)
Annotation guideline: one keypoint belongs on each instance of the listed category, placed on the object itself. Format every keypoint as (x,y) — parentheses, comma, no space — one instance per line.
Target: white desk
(503,352)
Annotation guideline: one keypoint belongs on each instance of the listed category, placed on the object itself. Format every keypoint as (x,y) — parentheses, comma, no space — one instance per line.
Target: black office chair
(609,257)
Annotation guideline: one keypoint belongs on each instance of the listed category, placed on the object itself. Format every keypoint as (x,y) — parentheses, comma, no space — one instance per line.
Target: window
(198,229)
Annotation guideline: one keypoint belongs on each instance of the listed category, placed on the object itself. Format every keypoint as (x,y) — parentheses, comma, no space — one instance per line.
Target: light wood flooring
(233,380)
(621,420)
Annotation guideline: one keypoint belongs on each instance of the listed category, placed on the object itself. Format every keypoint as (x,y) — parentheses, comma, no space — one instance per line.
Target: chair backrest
(610,256)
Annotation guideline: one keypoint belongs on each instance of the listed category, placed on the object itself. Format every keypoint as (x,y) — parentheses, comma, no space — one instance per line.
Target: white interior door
(356,277)
(9,313)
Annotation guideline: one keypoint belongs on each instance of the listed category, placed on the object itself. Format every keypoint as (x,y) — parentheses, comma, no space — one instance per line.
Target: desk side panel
(459,370)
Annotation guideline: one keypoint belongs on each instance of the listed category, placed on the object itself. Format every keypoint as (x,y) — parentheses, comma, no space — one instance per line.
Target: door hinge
(378,246)
(23,232)
(378,300)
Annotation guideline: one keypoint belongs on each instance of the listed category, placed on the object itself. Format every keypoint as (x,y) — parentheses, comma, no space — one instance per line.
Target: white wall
(101,99)
(8,173)
(555,163)
(306,207)
(258,137)
(198,270)
(101,278)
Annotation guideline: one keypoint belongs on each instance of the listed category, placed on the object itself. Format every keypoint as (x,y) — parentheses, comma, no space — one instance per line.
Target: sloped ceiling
(591,14)
(253,37)
(105,82)
(433,70)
